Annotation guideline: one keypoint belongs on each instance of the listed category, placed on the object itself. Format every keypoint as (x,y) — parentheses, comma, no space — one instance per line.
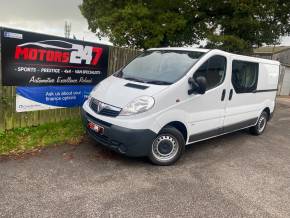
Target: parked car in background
(168,98)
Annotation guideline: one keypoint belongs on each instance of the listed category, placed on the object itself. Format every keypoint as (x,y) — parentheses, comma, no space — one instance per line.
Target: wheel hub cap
(165,147)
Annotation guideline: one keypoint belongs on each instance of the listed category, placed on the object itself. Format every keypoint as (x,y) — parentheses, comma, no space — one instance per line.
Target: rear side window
(214,70)
(245,76)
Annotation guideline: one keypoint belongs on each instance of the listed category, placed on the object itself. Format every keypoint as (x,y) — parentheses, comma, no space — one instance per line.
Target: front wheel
(167,147)
(259,128)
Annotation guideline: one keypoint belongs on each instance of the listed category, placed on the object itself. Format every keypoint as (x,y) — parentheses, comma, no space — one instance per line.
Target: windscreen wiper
(135,79)
(158,82)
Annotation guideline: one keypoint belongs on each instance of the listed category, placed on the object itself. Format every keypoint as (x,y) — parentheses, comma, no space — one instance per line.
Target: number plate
(96,128)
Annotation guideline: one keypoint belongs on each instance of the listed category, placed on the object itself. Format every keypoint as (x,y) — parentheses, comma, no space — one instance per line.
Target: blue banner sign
(50,97)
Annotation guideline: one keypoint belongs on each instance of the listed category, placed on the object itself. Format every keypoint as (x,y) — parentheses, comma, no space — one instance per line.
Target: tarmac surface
(236,175)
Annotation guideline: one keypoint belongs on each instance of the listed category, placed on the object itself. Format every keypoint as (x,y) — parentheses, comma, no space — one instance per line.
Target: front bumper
(131,142)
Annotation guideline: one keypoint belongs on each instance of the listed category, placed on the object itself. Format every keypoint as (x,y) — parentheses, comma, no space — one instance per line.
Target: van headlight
(138,105)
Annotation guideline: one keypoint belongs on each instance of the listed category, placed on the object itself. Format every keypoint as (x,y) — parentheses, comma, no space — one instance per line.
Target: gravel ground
(237,175)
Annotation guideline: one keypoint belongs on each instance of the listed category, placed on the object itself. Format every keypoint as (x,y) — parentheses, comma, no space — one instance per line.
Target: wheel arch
(267,110)
(179,126)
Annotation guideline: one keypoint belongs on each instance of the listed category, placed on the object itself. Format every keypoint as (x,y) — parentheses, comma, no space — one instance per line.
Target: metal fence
(10,119)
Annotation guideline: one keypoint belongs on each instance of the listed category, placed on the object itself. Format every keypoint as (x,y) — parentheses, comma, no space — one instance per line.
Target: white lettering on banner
(26,69)
(81,53)
(66,80)
(34,79)
(49,70)
(85,80)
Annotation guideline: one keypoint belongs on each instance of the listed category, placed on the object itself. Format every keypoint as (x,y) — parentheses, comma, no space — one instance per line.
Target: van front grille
(104,109)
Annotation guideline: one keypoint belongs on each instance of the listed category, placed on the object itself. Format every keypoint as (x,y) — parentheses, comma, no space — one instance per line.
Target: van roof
(181,49)
(249,58)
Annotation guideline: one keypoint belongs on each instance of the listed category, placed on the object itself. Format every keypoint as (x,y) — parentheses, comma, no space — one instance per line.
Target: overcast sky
(46,16)
(49,16)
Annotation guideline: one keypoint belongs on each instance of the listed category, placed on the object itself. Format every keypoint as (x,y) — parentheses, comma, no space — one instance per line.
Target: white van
(168,98)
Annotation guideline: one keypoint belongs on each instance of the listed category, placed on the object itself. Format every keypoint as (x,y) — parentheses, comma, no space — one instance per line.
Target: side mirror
(198,85)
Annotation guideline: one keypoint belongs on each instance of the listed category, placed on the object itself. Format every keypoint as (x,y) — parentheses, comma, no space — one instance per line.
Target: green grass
(24,139)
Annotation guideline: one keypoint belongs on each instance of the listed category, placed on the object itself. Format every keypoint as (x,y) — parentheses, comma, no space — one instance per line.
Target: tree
(232,25)
(240,25)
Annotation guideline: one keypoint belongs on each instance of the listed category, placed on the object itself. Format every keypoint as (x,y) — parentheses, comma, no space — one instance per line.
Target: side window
(245,76)
(214,70)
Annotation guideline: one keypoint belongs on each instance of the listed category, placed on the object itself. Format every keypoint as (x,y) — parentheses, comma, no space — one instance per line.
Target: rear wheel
(167,147)
(260,127)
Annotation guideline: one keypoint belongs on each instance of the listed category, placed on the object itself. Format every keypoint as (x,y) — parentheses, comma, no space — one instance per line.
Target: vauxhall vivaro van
(167,98)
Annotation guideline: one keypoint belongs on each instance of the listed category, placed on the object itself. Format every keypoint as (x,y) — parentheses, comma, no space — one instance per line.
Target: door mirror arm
(198,85)
(193,84)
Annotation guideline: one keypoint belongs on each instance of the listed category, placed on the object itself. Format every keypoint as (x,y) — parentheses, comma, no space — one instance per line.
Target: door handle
(231,94)
(223,95)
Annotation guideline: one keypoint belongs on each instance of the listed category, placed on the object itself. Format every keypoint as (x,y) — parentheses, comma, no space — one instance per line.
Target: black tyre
(260,127)
(167,147)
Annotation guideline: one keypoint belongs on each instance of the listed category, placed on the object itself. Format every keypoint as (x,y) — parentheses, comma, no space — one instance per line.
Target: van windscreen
(161,67)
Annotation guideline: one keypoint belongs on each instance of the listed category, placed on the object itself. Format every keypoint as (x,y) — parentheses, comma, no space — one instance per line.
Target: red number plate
(96,128)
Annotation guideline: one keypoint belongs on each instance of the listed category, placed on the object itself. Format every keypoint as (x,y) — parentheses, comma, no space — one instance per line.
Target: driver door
(208,110)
